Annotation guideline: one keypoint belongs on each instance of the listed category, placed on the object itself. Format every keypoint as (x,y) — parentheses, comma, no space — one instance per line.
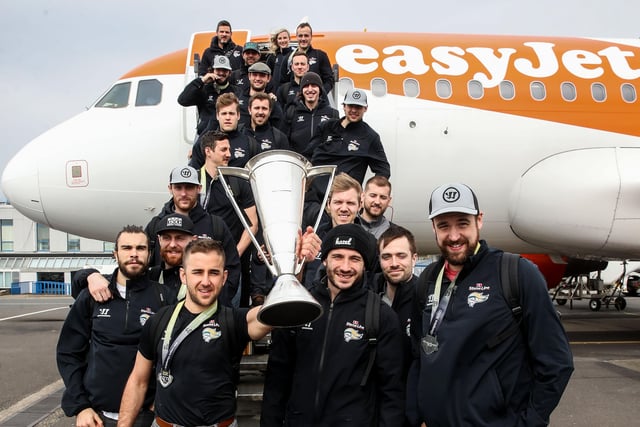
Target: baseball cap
(350,236)
(184,175)
(453,198)
(251,46)
(221,61)
(355,97)
(175,222)
(260,67)
(311,78)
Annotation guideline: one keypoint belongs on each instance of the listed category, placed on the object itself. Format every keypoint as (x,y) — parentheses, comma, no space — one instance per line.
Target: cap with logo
(311,78)
(355,97)
(251,46)
(221,61)
(350,236)
(453,198)
(175,222)
(260,67)
(184,175)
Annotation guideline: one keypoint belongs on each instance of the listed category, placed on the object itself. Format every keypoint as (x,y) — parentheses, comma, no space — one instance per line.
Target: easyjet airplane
(546,131)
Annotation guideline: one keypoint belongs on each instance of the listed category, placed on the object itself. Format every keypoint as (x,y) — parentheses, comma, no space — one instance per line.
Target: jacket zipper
(322,354)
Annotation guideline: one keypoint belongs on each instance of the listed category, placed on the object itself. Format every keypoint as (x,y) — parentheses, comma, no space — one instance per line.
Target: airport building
(37,259)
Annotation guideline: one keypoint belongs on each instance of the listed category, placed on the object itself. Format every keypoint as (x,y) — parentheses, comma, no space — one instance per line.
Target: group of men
(161,346)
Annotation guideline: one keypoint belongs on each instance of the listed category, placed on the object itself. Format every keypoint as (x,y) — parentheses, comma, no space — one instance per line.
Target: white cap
(355,97)
(453,198)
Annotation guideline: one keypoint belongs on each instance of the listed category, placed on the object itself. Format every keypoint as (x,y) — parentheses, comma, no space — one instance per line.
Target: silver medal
(429,344)
(165,378)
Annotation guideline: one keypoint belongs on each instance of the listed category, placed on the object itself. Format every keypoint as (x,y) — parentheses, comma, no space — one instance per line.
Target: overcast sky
(58,56)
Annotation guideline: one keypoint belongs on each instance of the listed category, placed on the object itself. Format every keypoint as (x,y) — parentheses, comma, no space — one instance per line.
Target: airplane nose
(20,184)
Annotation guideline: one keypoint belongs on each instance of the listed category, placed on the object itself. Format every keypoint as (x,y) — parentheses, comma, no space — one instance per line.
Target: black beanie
(350,236)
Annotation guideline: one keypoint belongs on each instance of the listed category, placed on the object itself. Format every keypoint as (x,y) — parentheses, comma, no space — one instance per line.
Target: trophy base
(289,304)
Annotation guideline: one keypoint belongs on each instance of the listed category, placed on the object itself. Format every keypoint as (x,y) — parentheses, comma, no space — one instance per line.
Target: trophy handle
(312,173)
(244,174)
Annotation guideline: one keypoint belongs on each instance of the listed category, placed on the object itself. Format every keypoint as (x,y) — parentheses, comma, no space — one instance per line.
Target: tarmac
(604,389)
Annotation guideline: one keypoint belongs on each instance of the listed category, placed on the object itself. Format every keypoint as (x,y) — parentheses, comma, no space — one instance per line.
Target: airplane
(545,130)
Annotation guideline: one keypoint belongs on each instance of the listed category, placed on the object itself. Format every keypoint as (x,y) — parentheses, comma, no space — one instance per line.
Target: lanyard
(168,351)
(438,314)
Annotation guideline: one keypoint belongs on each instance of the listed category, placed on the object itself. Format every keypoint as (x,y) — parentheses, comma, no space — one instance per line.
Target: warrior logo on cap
(451,195)
(356,95)
(185,173)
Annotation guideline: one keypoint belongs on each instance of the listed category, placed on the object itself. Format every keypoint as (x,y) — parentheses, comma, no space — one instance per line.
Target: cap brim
(452,210)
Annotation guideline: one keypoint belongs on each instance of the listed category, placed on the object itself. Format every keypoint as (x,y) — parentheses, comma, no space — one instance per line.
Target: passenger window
(507,90)
(599,92)
(476,90)
(568,91)
(443,88)
(538,91)
(345,84)
(628,92)
(117,97)
(149,93)
(378,87)
(411,88)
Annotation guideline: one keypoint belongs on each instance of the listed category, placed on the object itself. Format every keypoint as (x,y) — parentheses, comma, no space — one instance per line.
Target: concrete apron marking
(30,400)
(32,313)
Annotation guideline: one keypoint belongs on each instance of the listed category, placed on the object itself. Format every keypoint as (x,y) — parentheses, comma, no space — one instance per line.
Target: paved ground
(604,389)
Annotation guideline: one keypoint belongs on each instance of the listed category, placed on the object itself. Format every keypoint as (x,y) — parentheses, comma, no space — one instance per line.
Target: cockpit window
(149,93)
(117,97)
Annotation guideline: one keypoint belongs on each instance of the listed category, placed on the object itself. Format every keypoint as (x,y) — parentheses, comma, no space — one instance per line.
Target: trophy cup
(278,179)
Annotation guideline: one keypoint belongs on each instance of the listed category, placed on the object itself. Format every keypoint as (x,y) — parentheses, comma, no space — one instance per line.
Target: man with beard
(250,56)
(259,78)
(203,91)
(317,373)
(480,361)
(376,198)
(98,341)
(221,44)
(303,117)
(268,136)
(287,93)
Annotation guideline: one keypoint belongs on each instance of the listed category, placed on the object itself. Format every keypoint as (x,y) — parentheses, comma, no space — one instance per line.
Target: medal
(429,344)
(165,378)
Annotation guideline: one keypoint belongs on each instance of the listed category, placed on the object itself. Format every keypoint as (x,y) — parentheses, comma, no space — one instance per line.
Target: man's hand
(88,418)
(308,245)
(99,287)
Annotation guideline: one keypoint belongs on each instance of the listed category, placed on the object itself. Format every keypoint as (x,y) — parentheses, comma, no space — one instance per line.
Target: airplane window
(507,90)
(538,91)
(568,91)
(443,88)
(117,97)
(628,92)
(149,93)
(599,92)
(345,84)
(476,91)
(411,88)
(378,87)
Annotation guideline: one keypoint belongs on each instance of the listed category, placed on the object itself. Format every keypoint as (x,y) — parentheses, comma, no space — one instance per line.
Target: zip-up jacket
(243,147)
(473,379)
(301,124)
(98,343)
(204,97)
(314,371)
(230,50)
(319,63)
(269,137)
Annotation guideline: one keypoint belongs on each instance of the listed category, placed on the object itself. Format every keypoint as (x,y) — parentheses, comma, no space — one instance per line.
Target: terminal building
(37,259)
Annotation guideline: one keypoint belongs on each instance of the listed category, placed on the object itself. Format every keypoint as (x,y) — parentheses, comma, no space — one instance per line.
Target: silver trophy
(278,179)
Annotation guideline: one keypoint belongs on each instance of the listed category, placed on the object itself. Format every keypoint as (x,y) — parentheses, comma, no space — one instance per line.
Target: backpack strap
(511,294)
(372,323)
(228,326)
(163,321)
(421,287)
(217,227)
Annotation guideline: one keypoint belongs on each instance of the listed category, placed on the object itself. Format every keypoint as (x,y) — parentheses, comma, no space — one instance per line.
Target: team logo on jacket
(312,61)
(479,287)
(211,331)
(145,313)
(476,298)
(266,144)
(353,145)
(239,153)
(354,331)
(300,119)
(324,118)
(236,53)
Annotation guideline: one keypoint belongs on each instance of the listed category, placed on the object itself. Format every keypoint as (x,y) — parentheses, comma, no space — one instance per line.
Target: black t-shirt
(203,391)
(216,202)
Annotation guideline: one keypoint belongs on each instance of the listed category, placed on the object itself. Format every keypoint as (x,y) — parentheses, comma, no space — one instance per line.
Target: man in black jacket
(317,374)
(98,341)
(221,44)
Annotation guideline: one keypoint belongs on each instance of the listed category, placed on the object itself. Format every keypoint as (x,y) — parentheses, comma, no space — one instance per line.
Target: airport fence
(42,288)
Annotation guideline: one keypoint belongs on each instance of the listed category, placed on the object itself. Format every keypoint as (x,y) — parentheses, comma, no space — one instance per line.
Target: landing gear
(595,304)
